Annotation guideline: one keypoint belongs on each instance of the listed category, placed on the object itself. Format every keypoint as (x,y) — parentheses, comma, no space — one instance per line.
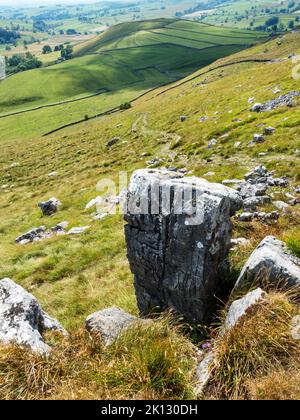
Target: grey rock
(236,312)
(32,235)
(183,118)
(112,142)
(22,321)
(109,323)
(251,203)
(284,100)
(258,138)
(281,205)
(240,307)
(212,143)
(240,241)
(179,261)
(270,263)
(78,230)
(269,130)
(49,207)
(245,217)
(258,107)
(295,327)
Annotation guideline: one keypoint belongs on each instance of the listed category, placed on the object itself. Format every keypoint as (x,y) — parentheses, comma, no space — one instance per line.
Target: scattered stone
(258,138)
(94,202)
(109,323)
(49,207)
(281,205)
(204,372)
(100,216)
(251,100)
(179,258)
(239,308)
(251,203)
(212,143)
(270,263)
(52,174)
(112,142)
(240,242)
(60,228)
(209,174)
(183,118)
(22,320)
(237,144)
(283,100)
(258,107)
(269,130)
(32,235)
(78,230)
(295,327)
(14,165)
(297,189)
(231,181)
(245,217)
(203,119)
(262,154)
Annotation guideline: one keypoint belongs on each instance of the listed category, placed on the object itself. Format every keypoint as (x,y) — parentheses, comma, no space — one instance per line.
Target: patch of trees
(71,31)
(22,62)
(66,53)
(40,26)
(8,37)
(46,49)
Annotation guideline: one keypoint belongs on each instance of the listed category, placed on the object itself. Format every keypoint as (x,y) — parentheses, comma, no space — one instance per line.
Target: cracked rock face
(22,320)
(179,261)
(270,263)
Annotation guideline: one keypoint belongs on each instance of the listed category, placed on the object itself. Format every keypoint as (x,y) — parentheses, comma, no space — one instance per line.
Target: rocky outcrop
(178,238)
(270,263)
(50,206)
(237,311)
(40,233)
(109,323)
(283,100)
(22,320)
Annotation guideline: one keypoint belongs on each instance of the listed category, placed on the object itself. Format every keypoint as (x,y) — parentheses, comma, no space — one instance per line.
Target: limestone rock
(109,323)
(295,327)
(240,307)
(49,207)
(178,253)
(270,263)
(22,321)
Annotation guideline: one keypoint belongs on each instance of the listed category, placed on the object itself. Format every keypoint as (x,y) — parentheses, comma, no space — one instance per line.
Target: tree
(291,24)
(67,53)
(272,21)
(46,49)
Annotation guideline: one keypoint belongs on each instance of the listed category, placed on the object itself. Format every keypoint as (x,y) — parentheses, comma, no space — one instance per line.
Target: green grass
(75,276)
(127,60)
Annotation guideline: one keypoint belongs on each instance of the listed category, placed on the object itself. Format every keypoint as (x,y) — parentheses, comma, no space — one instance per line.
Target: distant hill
(127,60)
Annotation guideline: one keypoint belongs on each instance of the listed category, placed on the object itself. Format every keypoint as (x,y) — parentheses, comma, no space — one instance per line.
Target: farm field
(113,68)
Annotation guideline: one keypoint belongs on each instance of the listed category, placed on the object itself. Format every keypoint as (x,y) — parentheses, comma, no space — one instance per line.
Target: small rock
(94,202)
(258,138)
(212,143)
(240,241)
(112,142)
(270,263)
(281,205)
(240,307)
(257,107)
(295,327)
(269,130)
(183,118)
(109,323)
(78,230)
(22,320)
(49,207)
(237,144)
(245,217)
(52,174)
(209,174)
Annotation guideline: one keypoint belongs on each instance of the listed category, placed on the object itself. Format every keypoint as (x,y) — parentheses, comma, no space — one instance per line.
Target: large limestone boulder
(270,263)
(109,323)
(22,320)
(178,236)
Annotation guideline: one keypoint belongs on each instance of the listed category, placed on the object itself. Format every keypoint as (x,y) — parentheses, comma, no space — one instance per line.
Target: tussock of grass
(148,361)
(259,346)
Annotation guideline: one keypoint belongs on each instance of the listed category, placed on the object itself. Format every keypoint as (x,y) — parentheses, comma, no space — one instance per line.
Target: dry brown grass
(258,347)
(152,361)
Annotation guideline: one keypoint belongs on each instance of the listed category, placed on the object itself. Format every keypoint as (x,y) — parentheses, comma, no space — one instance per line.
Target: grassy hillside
(75,276)
(126,61)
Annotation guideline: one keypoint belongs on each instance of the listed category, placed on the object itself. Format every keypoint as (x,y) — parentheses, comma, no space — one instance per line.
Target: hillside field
(124,62)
